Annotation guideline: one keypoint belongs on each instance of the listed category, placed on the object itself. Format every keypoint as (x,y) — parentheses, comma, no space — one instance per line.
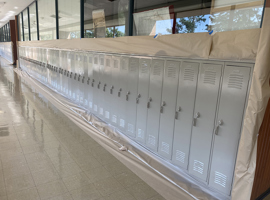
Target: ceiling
(10,8)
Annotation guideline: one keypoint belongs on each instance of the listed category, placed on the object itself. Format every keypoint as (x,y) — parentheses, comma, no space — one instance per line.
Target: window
(47,19)
(25,25)
(105,18)
(33,21)
(69,19)
(19,26)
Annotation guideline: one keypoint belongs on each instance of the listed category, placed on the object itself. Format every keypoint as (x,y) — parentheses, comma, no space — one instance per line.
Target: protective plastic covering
(257,103)
(235,45)
(6,51)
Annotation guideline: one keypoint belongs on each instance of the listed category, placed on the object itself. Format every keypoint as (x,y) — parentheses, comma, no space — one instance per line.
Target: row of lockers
(6,52)
(189,112)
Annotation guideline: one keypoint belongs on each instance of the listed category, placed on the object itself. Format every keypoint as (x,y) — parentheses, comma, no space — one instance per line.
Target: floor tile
(45,176)
(45,164)
(97,174)
(20,169)
(13,162)
(61,197)
(19,183)
(76,181)
(68,169)
(142,191)
(87,192)
(28,194)
(108,186)
(119,195)
(36,157)
(51,189)
(127,179)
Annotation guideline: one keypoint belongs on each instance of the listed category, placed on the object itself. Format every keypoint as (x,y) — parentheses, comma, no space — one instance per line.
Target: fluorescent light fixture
(16,7)
(7,16)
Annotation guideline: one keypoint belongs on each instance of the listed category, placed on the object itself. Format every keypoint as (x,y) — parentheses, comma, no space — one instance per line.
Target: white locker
(131,95)
(142,98)
(154,102)
(106,87)
(95,83)
(114,89)
(228,126)
(167,108)
(89,87)
(100,87)
(122,78)
(204,118)
(184,112)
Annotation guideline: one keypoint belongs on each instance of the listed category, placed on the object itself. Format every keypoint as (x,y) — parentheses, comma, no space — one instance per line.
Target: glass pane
(105,18)
(69,19)
(157,16)
(46,19)
(33,21)
(20,27)
(25,25)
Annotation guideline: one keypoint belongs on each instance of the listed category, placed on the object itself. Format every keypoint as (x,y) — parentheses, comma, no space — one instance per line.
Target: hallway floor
(45,156)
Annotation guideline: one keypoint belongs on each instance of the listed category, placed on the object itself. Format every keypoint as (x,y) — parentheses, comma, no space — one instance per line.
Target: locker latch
(162,105)
(127,95)
(104,87)
(197,115)
(93,82)
(98,85)
(176,112)
(88,81)
(119,92)
(137,99)
(148,103)
(111,89)
(75,76)
(83,79)
(220,122)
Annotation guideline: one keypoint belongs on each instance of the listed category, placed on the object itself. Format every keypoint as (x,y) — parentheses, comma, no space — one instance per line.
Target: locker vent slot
(122,123)
(101,61)
(115,64)
(101,111)
(165,147)
(144,68)
(108,62)
(171,70)
(152,140)
(91,104)
(220,179)
(140,133)
(90,59)
(95,108)
(107,115)
(210,77)
(96,60)
(235,81)
(198,166)
(188,74)
(130,128)
(133,67)
(180,156)
(114,119)
(157,70)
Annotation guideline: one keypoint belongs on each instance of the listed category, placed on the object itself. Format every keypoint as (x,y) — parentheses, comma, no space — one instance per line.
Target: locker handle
(138,97)
(197,115)
(104,87)
(220,122)
(98,85)
(119,92)
(111,90)
(127,95)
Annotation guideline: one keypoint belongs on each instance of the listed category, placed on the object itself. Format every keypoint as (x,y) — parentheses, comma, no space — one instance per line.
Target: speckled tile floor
(44,155)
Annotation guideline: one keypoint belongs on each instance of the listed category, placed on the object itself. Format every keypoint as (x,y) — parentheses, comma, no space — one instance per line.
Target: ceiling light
(16,7)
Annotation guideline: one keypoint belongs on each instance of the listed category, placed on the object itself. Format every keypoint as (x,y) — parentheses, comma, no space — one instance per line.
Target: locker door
(204,117)
(167,109)
(184,112)
(114,88)
(106,87)
(142,98)
(95,83)
(154,102)
(228,126)
(131,95)
(90,86)
(100,87)
(122,93)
